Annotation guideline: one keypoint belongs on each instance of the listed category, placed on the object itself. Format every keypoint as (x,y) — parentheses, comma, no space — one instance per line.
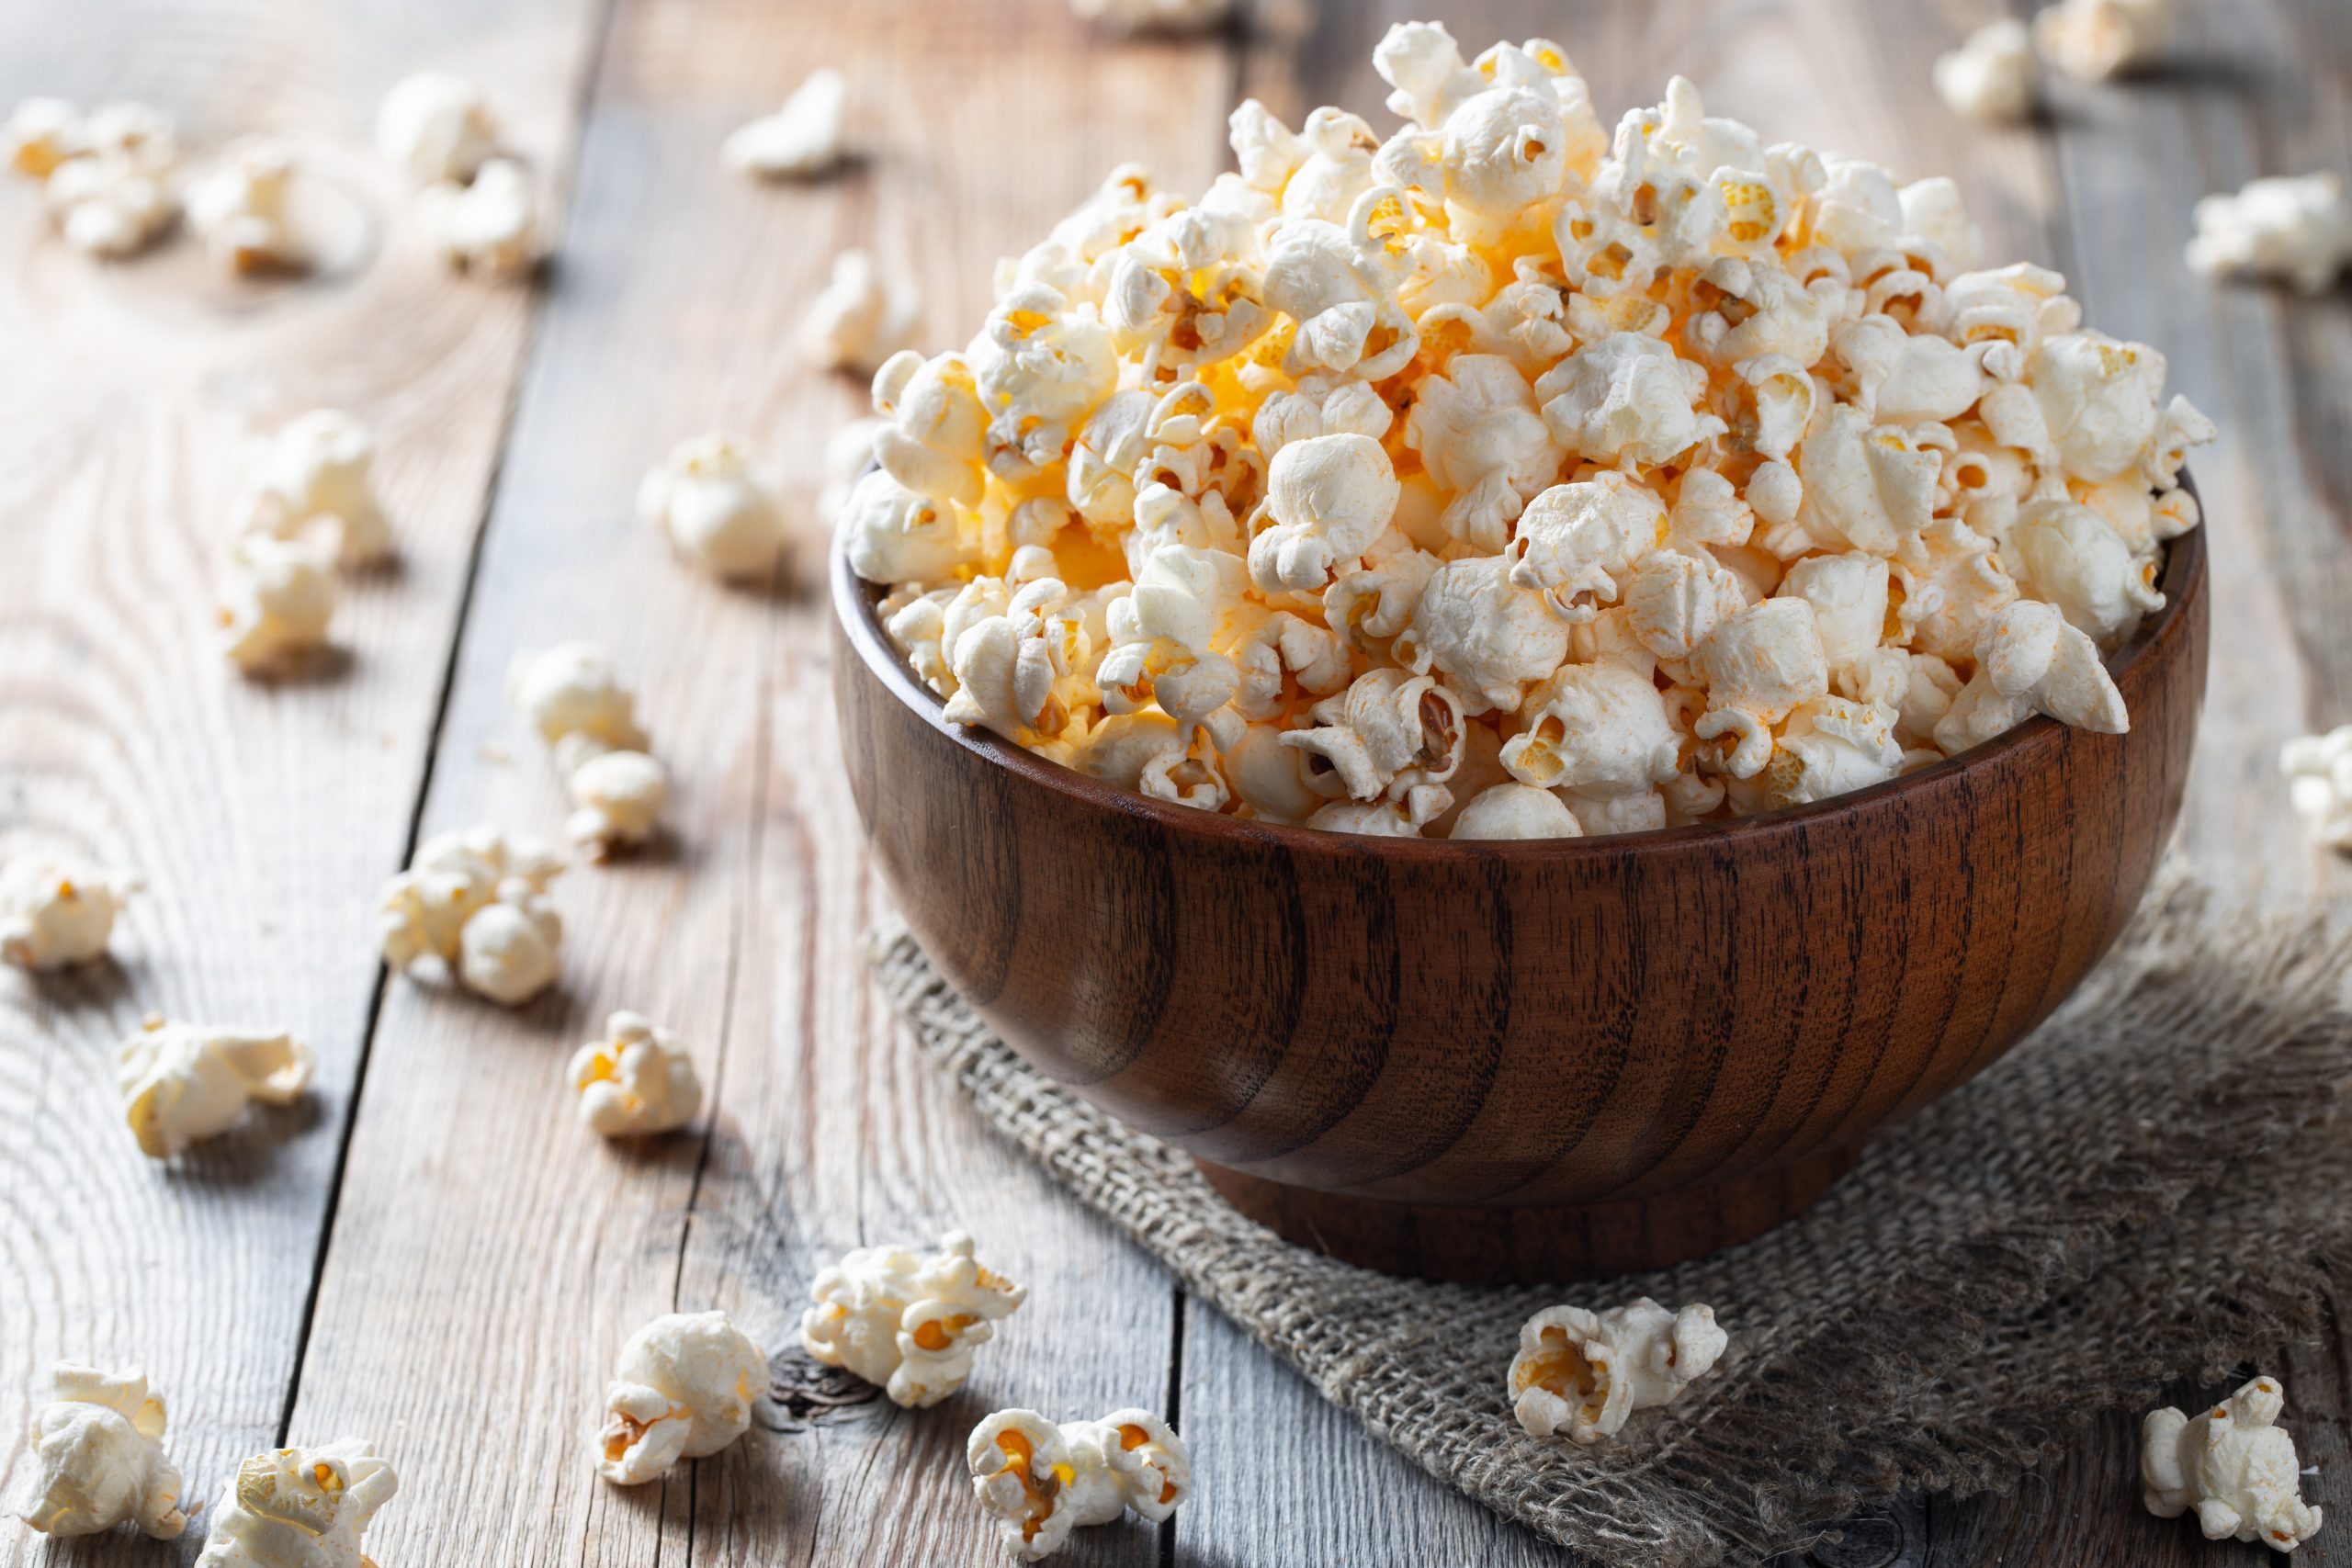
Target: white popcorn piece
(41,133)
(1039,1480)
(1387,734)
(1627,400)
(477,900)
(97,1453)
(1599,730)
(1327,498)
(1400,819)
(1827,747)
(571,689)
(436,127)
(185,1082)
(2294,227)
(802,140)
(1513,810)
(906,1322)
(857,320)
(2318,769)
(1153,16)
(277,599)
(116,193)
(55,913)
(2234,1464)
(1990,76)
(720,511)
(579,708)
(2092,40)
(315,475)
(1479,435)
(682,1388)
(1491,637)
(299,1507)
(1585,1373)
(488,225)
(1578,543)
(1760,667)
(2067,556)
(634,1082)
(238,207)
(618,796)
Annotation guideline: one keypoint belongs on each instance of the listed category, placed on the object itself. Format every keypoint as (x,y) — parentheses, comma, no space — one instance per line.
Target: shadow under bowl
(1544,1060)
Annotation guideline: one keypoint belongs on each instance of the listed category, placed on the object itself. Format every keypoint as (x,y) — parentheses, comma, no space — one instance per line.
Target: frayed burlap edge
(2136,1192)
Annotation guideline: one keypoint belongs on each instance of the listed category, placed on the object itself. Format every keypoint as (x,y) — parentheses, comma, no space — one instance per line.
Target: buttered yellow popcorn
(1685,469)
(683,1389)
(97,1456)
(300,1508)
(907,1322)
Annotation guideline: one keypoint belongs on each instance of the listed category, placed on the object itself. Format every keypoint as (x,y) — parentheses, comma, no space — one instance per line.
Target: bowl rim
(854,598)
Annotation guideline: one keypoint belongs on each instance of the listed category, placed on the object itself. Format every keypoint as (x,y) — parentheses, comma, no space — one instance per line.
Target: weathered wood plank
(485,1241)
(257,813)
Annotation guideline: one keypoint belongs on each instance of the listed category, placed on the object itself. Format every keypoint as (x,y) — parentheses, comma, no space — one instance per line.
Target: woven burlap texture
(2148,1186)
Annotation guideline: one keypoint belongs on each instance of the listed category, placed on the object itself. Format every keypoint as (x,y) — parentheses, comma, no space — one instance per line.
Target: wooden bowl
(1555,1059)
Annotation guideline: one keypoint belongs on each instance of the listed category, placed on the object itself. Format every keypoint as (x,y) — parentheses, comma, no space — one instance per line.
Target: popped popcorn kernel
(1585,1373)
(183,1082)
(97,1460)
(907,1322)
(800,140)
(720,510)
(55,913)
(682,1388)
(1677,473)
(299,1507)
(2234,1465)
(1039,1481)
(477,900)
(2298,228)
(634,1082)
(238,207)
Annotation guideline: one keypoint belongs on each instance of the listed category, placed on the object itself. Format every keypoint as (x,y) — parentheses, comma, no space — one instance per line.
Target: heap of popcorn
(1493,480)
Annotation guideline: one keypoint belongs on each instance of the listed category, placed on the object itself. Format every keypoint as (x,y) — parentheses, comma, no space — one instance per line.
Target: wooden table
(432,1253)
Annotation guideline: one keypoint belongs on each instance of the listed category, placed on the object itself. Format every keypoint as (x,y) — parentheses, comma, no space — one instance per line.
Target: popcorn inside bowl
(1679,476)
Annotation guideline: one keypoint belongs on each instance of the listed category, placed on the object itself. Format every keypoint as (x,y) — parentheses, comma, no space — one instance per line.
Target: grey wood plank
(257,812)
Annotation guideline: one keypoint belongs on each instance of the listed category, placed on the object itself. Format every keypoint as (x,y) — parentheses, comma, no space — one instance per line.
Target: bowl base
(1532,1246)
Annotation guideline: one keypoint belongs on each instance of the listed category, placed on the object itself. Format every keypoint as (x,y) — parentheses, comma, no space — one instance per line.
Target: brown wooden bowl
(1554,1059)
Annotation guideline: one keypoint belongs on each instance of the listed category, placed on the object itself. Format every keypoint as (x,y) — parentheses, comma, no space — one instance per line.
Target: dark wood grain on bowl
(1564,1022)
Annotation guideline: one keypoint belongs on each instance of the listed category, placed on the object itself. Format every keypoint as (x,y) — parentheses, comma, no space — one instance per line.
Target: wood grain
(261,815)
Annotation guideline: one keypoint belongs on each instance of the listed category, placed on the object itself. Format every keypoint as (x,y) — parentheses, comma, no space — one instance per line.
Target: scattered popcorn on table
(109,179)
(238,207)
(1040,1481)
(571,689)
(314,476)
(478,901)
(300,1508)
(277,599)
(636,1080)
(857,320)
(54,913)
(2234,1465)
(488,226)
(1154,15)
(684,1389)
(720,511)
(907,1323)
(2094,40)
(183,1082)
(1990,76)
(2318,769)
(2294,227)
(803,138)
(617,797)
(98,1457)
(1681,477)
(436,127)
(1585,1373)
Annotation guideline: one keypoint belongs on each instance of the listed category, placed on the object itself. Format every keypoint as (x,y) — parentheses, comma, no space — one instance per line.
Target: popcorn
(2299,228)
(634,1082)
(801,139)
(314,476)
(436,127)
(857,321)
(41,133)
(1685,471)
(275,601)
(108,179)
(1989,77)
(2318,769)
(618,796)
(1586,1372)
(571,689)
(1040,1481)
(2234,1465)
(477,900)
(683,1389)
(98,1457)
(719,511)
(299,1507)
(905,1322)
(488,225)
(239,207)
(1512,810)
(183,1082)
(2094,40)
(1154,15)
(56,912)
(580,709)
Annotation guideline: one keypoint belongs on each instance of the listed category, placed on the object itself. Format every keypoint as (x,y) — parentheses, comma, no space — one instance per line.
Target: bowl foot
(1530,1246)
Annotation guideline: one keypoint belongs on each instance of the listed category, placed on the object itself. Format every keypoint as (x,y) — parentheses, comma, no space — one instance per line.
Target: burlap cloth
(2145,1189)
